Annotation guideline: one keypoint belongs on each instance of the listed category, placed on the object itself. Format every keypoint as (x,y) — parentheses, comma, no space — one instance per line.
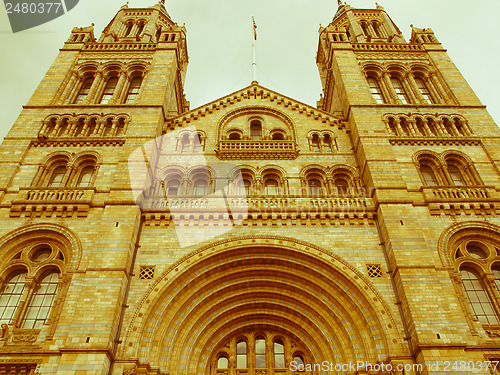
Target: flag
(254,29)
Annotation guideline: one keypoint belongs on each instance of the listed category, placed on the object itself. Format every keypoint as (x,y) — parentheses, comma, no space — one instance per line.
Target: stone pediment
(253,96)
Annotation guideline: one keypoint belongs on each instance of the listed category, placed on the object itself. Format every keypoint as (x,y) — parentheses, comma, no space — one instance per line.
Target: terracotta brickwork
(138,236)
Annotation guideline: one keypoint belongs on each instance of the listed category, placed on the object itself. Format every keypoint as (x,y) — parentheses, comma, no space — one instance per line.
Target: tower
(428,148)
(100,99)
(254,234)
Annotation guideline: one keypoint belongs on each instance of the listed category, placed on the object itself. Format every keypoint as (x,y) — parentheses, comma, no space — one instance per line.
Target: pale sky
(219,36)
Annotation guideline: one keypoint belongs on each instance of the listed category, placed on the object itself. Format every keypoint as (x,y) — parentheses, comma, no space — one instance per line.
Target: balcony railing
(459,193)
(56,195)
(58,200)
(259,204)
(263,149)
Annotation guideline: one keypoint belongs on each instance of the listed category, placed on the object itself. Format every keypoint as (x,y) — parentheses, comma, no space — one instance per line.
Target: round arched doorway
(262,291)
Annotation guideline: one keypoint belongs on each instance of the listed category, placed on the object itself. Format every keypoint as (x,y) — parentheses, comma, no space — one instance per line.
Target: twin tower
(254,235)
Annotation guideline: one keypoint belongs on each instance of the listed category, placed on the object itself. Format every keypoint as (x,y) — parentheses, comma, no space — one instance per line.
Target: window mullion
(29,289)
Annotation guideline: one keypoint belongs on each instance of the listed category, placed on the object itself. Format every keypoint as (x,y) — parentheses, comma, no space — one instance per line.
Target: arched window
(479,299)
(376,26)
(496,273)
(328,142)
(41,301)
(84,89)
(392,126)
(299,360)
(140,28)
(315,187)
(196,144)
(364,27)
(342,186)
(315,143)
(256,130)
(85,177)
(241,354)
(400,91)
(404,126)
(234,136)
(92,127)
(133,90)
(222,362)
(79,127)
(172,188)
(109,90)
(185,145)
(244,187)
(456,175)
(10,295)
(264,358)
(120,128)
(128,28)
(158,34)
(432,126)
(57,176)
(448,127)
(260,352)
(271,186)
(108,127)
(460,126)
(424,90)
(200,188)
(420,126)
(278,136)
(279,354)
(63,128)
(428,175)
(376,90)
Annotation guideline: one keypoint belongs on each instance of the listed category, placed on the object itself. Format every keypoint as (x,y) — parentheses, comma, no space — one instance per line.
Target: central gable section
(257,123)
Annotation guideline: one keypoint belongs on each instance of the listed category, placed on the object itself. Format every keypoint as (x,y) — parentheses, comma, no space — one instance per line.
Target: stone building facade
(138,236)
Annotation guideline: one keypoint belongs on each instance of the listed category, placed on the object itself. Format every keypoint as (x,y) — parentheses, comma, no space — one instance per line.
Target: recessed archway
(273,284)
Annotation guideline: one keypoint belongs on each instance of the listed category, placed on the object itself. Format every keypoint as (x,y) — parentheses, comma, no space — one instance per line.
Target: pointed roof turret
(342,8)
(161,7)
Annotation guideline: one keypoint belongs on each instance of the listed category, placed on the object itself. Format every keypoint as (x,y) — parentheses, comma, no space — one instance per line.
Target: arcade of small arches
(66,170)
(189,142)
(397,84)
(313,181)
(253,350)
(112,83)
(373,29)
(322,141)
(427,125)
(256,124)
(451,168)
(83,126)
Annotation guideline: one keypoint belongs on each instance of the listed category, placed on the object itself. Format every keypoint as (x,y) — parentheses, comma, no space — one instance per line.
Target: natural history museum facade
(139,236)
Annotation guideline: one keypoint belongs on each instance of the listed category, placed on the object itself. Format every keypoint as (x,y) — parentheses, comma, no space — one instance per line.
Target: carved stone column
(426,127)
(73,82)
(392,90)
(29,288)
(95,88)
(117,97)
(409,89)
(418,94)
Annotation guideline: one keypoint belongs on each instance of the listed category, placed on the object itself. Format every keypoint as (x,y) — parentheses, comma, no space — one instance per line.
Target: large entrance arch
(276,286)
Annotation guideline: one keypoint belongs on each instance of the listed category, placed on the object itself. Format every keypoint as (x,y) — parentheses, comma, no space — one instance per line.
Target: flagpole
(254,55)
